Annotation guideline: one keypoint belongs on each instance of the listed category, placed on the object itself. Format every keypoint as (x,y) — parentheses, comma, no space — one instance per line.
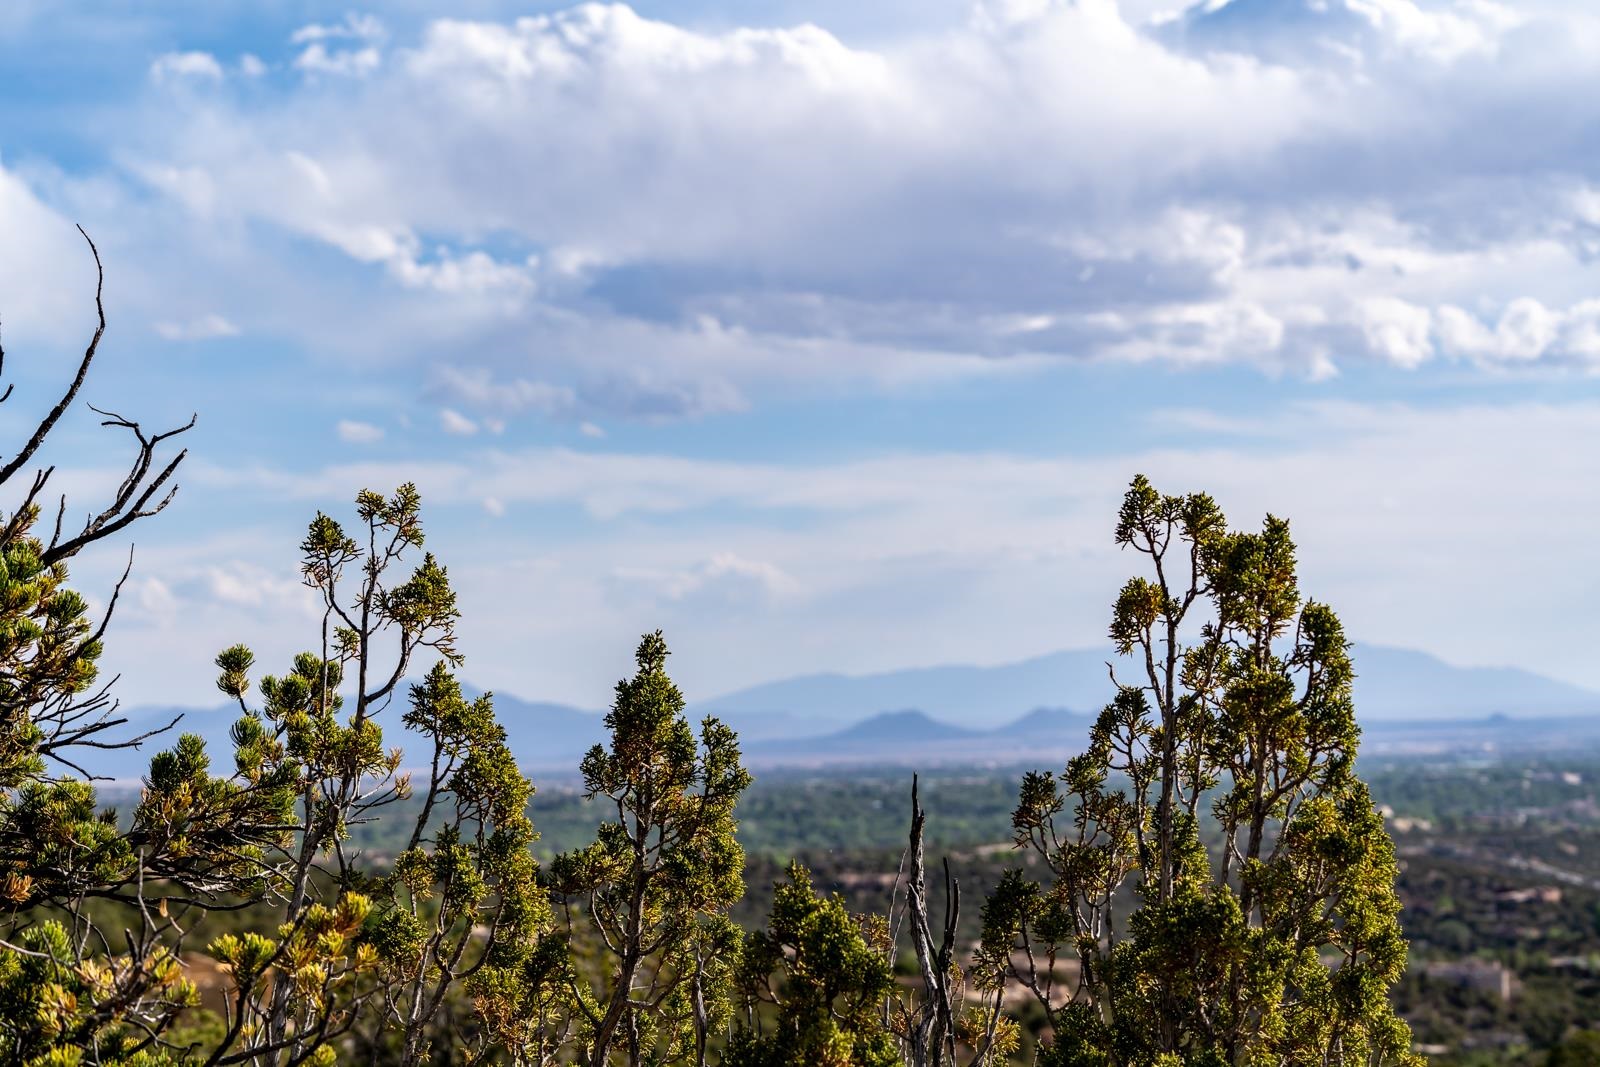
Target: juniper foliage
(1216,869)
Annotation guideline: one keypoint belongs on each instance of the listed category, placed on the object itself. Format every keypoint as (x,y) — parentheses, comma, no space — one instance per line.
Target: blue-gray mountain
(981,712)
(1391,684)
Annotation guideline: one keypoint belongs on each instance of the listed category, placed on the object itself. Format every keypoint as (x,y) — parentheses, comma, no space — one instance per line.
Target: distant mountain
(1391,683)
(897,726)
(1048,725)
(1400,684)
(911,736)
(130,764)
(961,711)
(975,697)
(545,735)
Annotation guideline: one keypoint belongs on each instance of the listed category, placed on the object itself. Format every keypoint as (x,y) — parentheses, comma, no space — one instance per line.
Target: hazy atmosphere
(823,335)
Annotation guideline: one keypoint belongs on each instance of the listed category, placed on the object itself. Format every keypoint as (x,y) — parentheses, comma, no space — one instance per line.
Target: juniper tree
(655,886)
(359,950)
(463,906)
(825,980)
(1214,864)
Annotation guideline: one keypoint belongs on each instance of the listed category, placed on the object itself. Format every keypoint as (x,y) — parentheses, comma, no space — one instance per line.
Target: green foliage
(375,958)
(815,965)
(49,1001)
(463,903)
(655,885)
(1281,943)
(1211,863)
(1582,1049)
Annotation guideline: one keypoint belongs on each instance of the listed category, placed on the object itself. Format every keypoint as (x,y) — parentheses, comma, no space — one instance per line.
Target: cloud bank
(599,213)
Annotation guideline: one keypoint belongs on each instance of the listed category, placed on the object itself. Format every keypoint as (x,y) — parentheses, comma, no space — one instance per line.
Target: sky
(825,335)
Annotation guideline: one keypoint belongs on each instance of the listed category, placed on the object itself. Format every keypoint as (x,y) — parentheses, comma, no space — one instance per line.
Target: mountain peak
(904,724)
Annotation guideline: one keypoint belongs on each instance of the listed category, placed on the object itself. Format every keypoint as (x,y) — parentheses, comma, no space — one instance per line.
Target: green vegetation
(1278,942)
(657,883)
(1208,883)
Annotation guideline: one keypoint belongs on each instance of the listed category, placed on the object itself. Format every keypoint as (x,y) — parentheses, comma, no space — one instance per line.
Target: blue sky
(823,335)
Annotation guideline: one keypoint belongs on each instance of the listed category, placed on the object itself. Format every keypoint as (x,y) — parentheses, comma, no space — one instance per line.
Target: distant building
(1403,824)
(1490,976)
(1539,894)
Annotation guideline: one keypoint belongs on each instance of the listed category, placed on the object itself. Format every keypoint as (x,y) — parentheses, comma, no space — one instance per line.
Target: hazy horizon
(824,336)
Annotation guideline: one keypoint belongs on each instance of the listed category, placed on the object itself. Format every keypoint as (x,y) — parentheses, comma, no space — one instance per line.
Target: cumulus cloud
(346,62)
(476,386)
(355,26)
(1397,331)
(1267,184)
(42,285)
(201,588)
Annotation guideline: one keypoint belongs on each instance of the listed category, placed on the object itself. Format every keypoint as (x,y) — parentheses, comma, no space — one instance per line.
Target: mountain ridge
(1391,683)
(1002,706)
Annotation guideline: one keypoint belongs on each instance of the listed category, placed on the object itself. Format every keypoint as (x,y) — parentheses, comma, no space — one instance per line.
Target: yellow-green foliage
(815,964)
(1279,944)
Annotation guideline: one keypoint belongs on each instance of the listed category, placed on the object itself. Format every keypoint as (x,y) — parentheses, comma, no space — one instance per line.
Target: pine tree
(1216,868)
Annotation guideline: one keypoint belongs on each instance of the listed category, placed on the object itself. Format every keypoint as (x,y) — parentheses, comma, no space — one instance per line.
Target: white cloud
(360,433)
(493,506)
(251,66)
(474,272)
(725,581)
(346,62)
(250,586)
(355,26)
(179,65)
(47,280)
(1397,331)
(1439,35)
(190,589)
(155,598)
(761,569)
(453,422)
(1203,333)
(1525,331)
(476,387)
(324,54)
(207,327)
(1141,194)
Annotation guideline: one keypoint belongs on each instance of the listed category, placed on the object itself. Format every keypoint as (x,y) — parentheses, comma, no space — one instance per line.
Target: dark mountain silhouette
(897,727)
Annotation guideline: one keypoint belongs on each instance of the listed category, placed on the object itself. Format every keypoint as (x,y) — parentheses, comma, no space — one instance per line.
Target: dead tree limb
(933,1032)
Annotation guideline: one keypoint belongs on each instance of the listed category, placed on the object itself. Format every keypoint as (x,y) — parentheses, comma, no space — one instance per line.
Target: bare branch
(49,421)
